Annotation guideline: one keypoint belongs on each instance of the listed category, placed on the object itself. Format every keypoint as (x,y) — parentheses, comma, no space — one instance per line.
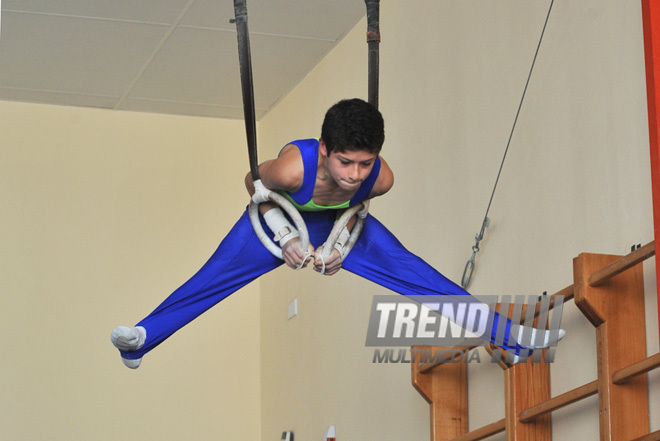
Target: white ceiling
(163,56)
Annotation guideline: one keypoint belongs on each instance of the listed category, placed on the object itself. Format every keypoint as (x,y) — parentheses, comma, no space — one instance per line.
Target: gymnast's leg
(239,259)
(380,257)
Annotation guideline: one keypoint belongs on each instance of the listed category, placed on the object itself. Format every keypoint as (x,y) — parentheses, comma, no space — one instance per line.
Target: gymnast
(320,177)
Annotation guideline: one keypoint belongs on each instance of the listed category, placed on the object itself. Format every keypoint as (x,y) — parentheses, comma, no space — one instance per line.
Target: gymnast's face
(349,168)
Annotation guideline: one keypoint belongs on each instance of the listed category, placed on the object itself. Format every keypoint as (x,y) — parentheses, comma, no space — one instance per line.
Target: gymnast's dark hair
(353,124)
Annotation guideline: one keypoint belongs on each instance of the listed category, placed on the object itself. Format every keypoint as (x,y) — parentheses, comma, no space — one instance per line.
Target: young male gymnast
(319,177)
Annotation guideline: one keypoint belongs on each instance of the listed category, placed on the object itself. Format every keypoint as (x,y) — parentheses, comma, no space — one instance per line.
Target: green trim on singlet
(312,206)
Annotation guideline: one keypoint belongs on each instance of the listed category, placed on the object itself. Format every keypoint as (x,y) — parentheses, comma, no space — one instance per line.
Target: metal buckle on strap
(285,231)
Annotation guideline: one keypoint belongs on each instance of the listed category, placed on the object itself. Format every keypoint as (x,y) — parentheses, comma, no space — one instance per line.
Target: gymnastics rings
(275,250)
(361,210)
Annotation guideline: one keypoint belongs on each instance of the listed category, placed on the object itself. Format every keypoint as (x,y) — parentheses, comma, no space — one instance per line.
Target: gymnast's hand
(332,263)
(293,254)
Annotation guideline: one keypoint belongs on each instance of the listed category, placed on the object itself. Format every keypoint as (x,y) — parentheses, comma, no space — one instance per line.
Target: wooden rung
(620,265)
(483,432)
(558,402)
(654,436)
(568,293)
(641,367)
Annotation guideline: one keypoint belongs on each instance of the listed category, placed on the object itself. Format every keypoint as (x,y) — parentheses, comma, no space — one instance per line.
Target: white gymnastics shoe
(527,336)
(129,339)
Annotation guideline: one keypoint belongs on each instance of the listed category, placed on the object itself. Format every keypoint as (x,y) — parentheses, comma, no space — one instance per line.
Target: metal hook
(469,266)
(467,272)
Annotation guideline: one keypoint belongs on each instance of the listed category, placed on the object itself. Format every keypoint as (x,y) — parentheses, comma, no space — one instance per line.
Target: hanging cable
(469,266)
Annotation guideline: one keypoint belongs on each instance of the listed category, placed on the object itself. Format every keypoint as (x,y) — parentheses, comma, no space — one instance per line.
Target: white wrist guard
(342,239)
(365,211)
(280,225)
(261,193)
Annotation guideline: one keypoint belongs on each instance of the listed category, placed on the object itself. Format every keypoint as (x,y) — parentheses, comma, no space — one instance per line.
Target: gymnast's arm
(384,182)
(283,173)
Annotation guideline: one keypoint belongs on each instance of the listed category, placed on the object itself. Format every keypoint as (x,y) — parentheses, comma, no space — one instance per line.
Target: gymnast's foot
(529,338)
(129,339)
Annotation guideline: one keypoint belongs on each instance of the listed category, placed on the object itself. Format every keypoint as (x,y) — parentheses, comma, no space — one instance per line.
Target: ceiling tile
(192,109)
(322,19)
(201,65)
(162,11)
(169,56)
(59,98)
(194,65)
(73,55)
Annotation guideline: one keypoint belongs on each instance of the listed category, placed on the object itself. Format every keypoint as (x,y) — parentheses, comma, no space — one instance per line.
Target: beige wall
(576,179)
(103,215)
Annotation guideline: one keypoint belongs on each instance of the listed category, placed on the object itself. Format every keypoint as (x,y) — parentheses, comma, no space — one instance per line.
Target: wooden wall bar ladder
(609,291)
